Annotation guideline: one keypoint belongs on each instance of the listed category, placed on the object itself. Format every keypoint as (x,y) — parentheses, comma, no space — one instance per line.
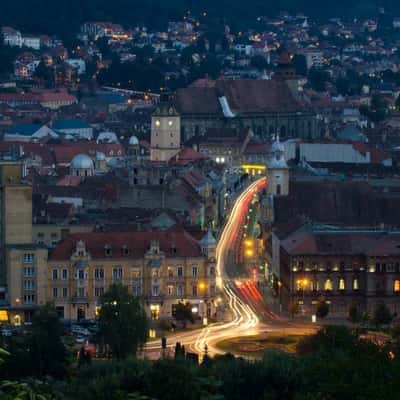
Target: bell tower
(277,170)
(165,130)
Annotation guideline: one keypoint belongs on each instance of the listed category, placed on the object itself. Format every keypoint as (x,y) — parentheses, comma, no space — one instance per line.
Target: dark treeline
(333,364)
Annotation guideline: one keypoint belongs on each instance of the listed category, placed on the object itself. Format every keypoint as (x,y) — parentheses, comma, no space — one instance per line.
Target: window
(355,284)
(194,290)
(372,268)
(179,291)
(28,258)
(170,273)
(157,123)
(155,290)
(179,270)
(212,271)
(170,123)
(81,274)
(64,292)
(98,291)
(29,298)
(107,250)
(81,292)
(29,271)
(396,285)
(136,290)
(170,290)
(278,189)
(64,274)
(117,273)
(55,274)
(341,284)
(55,292)
(29,284)
(194,271)
(328,285)
(98,273)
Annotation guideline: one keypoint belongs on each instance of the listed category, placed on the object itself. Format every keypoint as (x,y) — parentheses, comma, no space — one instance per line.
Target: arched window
(342,285)
(396,285)
(355,284)
(328,285)
(278,189)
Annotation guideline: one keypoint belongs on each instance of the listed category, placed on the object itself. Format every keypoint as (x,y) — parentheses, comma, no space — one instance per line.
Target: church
(264,106)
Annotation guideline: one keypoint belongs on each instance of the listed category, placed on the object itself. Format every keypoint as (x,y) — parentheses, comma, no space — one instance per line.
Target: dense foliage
(122,322)
(333,364)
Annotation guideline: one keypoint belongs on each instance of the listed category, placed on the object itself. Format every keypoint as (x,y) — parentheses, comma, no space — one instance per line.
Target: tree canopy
(123,324)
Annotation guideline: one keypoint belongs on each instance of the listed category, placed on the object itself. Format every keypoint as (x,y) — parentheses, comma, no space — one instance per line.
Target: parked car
(6,332)
(80,339)
(78,330)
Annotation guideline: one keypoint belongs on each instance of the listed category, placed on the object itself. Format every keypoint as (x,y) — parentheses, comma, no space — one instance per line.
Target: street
(243,298)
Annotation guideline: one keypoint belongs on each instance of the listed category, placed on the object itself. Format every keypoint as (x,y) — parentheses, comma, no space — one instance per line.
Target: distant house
(76,128)
(11,37)
(29,133)
(78,64)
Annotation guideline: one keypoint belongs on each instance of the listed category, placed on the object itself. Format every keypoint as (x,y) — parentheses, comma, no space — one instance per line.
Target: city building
(164,267)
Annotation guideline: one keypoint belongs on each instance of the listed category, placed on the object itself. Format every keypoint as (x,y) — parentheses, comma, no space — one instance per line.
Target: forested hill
(64,16)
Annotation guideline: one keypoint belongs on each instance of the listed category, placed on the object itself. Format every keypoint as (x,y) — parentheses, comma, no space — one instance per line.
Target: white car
(6,332)
(80,339)
(79,330)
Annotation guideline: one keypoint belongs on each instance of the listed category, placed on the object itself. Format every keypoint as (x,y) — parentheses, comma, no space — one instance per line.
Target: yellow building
(164,267)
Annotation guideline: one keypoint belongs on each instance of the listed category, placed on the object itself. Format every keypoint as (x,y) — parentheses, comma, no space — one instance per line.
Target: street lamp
(279,294)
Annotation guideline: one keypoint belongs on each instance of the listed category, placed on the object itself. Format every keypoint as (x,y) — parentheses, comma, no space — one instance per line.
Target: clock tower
(165,130)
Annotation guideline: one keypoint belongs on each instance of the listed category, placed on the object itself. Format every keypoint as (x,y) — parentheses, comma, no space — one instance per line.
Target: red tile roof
(138,244)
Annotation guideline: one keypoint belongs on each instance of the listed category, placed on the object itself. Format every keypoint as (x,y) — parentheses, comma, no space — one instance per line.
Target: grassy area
(256,345)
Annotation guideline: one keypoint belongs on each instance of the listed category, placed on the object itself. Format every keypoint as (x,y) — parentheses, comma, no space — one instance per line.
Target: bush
(382,314)
(322,309)
(354,313)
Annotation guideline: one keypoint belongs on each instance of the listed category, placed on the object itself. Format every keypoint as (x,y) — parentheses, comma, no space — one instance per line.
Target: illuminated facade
(162,267)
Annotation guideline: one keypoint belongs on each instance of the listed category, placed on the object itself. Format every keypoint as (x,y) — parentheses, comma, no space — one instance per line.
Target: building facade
(162,267)
(345,267)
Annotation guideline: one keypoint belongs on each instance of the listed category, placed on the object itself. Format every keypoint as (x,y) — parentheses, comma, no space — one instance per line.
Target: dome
(133,141)
(100,156)
(82,161)
(107,137)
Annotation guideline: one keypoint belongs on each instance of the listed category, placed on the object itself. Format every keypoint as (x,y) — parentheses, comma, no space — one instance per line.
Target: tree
(317,79)
(47,352)
(322,308)
(354,313)
(258,62)
(183,313)
(382,314)
(123,324)
(300,64)
(43,72)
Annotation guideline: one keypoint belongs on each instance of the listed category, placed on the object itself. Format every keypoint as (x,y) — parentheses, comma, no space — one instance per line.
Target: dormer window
(125,250)
(107,250)
(80,248)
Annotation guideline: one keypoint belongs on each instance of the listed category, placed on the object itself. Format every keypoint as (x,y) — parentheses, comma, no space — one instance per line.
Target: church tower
(165,130)
(277,170)
(277,174)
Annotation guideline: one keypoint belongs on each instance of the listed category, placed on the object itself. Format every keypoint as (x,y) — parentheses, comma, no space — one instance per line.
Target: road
(244,300)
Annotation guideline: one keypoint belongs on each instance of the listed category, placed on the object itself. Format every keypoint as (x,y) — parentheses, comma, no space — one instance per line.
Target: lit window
(355,284)
(170,290)
(170,122)
(341,284)
(328,285)
(371,268)
(396,285)
(157,123)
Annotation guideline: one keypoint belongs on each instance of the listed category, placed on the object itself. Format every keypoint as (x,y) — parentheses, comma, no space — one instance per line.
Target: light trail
(245,320)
